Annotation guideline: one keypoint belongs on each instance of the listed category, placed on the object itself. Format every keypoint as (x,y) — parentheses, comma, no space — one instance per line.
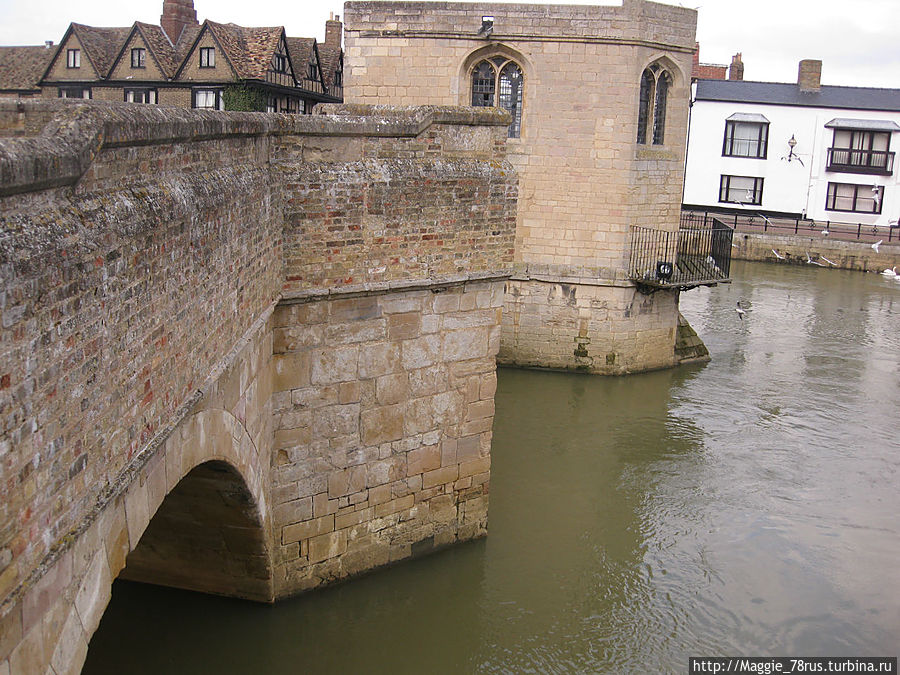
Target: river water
(747,506)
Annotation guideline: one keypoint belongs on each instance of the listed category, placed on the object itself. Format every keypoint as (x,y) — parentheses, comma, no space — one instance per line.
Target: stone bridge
(243,354)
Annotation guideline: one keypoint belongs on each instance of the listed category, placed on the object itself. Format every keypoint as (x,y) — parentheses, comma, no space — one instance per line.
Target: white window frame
(207,57)
(140,95)
(73,58)
(141,54)
(75,92)
(208,95)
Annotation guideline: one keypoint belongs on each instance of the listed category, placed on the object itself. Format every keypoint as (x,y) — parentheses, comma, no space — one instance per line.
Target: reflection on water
(748,506)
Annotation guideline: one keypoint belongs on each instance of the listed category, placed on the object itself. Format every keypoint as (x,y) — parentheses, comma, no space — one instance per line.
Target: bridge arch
(207,536)
(203,487)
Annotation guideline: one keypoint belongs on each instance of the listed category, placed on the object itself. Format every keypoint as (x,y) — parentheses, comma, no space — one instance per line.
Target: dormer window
(313,72)
(73,58)
(279,63)
(138,57)
(207,57)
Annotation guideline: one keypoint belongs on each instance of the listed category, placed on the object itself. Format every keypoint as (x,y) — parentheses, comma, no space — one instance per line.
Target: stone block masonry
(554,318)
(270,335)
(383,410)
(584,180)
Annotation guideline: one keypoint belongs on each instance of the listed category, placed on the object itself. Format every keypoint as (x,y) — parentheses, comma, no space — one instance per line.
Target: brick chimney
(334,29)
(736,71)
(809,76)
(176,15)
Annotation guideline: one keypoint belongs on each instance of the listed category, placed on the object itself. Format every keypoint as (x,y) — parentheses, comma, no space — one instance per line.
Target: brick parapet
(140,260)
(72,133)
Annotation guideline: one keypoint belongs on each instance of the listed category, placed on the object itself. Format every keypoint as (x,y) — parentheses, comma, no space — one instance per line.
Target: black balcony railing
(879,162)
(696,255)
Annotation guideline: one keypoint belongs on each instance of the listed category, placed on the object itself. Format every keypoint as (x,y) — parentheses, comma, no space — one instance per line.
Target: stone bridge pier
(241,354)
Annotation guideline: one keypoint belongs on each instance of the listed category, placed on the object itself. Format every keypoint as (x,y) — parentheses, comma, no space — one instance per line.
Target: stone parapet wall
(634,21)
(850,255)
(122,294)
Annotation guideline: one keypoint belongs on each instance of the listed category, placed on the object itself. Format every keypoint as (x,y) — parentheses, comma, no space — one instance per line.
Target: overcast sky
(857,41)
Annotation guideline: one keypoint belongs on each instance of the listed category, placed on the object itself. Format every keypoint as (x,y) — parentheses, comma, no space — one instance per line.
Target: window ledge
(655,152)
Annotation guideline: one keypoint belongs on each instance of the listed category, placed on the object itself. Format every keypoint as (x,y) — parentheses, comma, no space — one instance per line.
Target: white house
(804,149)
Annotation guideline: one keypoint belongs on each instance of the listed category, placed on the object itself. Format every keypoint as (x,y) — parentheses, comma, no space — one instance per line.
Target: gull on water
(740,310)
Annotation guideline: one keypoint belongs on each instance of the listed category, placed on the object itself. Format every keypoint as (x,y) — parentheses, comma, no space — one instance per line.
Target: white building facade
(801,150)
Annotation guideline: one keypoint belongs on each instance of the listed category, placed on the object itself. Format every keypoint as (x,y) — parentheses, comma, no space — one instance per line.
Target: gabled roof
(331,60)
(100,45)
(777,93)
(158,43)
(21,68)
(301,51)
(186,41)
(250,50)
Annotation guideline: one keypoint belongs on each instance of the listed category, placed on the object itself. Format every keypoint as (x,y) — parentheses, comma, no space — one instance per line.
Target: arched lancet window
(655,83)
(499,82)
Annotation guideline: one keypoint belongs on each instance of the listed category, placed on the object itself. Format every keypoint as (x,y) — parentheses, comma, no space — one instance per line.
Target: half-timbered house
(184,63)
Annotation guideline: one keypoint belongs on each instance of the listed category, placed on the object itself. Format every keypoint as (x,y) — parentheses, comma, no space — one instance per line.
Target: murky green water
(750,506)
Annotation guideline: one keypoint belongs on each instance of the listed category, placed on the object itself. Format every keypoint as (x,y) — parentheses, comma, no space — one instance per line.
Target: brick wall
(370,210)
(120,295)
(178,287)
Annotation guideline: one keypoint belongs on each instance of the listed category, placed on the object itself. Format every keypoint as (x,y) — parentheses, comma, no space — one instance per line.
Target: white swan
(891,273)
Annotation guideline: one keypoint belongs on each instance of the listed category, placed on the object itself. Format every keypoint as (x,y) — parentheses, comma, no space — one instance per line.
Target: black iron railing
(860,161)
(695,255)
(757,221)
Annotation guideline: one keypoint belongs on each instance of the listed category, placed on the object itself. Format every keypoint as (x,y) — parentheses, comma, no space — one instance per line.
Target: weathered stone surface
(229,317)
(382,424)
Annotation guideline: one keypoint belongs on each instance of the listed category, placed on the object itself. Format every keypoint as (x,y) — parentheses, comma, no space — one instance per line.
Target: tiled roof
(777,93)
(260,45)
(185,41)
(159,44)
(249,50)
(21,68)
(331,59)
(101,45)
(301,53)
